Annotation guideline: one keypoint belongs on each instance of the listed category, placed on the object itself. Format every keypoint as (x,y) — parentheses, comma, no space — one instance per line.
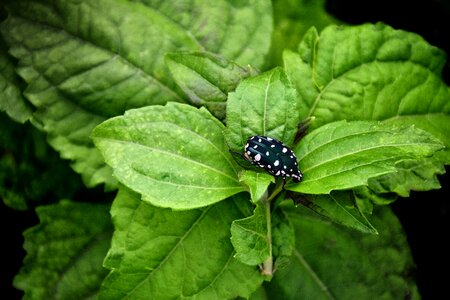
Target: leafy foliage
(337,263)
(155,98)
(190,167)
(160,253)
(64,47)
(347,154)
(65,252)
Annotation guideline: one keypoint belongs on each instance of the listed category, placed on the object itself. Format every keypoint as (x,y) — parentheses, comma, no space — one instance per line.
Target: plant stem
(267,267)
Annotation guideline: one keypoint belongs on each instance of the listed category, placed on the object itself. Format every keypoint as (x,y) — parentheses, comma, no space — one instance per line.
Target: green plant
(151,98)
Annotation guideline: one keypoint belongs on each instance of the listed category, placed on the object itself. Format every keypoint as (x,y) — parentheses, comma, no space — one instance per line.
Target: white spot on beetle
(272,146)
(259,140)
(258,157)
(269,166)
(277,173)
(285,167)
(269,139)
(267,153)
(284,150)
(256,146)
(276,163)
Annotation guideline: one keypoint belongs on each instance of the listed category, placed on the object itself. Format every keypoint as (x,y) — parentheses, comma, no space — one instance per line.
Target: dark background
(425,216)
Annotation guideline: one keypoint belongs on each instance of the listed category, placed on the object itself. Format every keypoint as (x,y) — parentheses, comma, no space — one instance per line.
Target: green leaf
(11,99)
(373,72)
(174,155)
(257,183)
(418,175)
(339,207)
(65,252)
(368,72)
(411,175)
(206,78)
(159,253)
(332,262)
(86,61)
(262,105)
(250,238)
(343,155)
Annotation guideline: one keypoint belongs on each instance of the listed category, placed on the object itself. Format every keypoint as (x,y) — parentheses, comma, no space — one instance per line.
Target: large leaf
(159,253)
(65,252)
(332,262)
(85,61)
(344,155)
(174,155)
(372,72)
(262,105)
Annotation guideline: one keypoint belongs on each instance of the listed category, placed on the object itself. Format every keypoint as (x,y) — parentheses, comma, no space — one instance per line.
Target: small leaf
(206,78)
(343,155)
(333,262)
(262,105)
(174,155)
(65,252)
(160,253)
(339,207)
(250,237)
(257,183)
